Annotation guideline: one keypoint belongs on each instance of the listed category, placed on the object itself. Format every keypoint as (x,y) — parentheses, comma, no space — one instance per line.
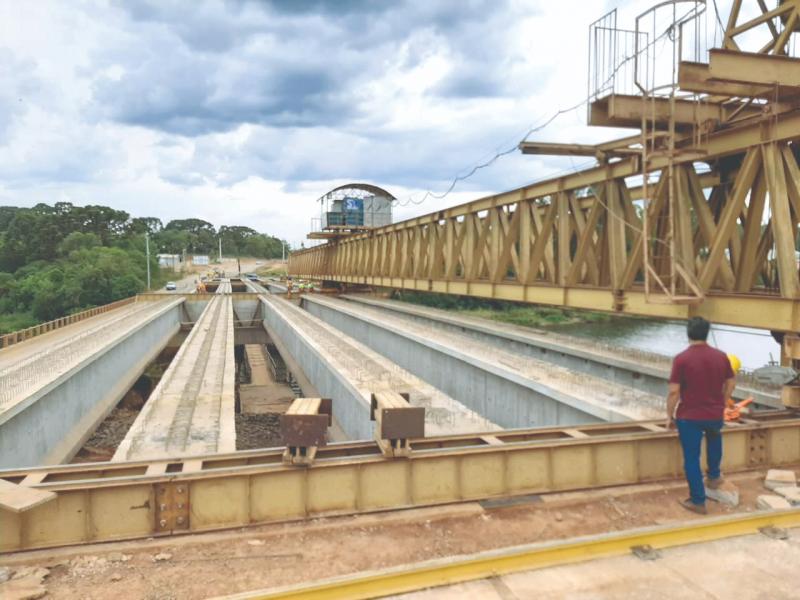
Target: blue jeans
(691,436)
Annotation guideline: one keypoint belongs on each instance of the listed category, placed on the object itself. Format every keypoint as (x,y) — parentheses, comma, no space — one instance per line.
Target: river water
(753,346)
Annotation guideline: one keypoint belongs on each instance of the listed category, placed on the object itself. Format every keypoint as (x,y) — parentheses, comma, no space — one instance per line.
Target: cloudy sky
(245,112)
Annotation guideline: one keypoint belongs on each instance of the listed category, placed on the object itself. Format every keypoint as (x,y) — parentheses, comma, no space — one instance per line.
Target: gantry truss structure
(695,214)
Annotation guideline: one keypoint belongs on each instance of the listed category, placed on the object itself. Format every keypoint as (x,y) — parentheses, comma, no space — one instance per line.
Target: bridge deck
(191,411)
(28,367)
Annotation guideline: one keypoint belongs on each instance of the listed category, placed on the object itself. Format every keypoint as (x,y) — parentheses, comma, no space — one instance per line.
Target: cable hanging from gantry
(524,140)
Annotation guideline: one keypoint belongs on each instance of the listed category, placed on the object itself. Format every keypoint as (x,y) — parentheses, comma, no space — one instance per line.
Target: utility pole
(220,248)
(147,251)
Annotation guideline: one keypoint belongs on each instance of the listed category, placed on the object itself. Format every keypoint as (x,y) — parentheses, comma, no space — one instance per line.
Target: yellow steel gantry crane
(695,214)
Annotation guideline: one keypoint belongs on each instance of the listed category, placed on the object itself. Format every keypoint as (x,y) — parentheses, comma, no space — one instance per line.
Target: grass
(271,271)
(533,316)
(524,315)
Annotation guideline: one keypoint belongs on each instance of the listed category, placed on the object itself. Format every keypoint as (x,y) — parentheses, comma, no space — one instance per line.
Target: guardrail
(9,339)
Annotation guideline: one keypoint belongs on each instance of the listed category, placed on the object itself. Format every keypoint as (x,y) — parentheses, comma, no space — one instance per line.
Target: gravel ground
(257,431)
(104,441)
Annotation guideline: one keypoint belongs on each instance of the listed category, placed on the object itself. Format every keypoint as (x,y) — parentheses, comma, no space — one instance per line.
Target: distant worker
(701,381)
(736,366)
(734,410)
(200,287)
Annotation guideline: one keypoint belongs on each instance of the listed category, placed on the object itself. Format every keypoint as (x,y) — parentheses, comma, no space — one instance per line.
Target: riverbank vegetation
(526,315)
(61,259)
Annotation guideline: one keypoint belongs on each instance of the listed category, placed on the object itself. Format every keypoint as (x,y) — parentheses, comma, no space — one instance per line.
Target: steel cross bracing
(110,501)
(715,223)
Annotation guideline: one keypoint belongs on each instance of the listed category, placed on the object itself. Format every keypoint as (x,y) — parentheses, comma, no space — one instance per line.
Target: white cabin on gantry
(352,208)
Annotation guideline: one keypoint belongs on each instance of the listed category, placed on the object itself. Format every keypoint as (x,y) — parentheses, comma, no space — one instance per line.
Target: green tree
(78,241)
(202,235)
(142,225)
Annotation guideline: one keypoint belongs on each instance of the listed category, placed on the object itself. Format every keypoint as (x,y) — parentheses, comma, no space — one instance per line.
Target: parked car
(171,286)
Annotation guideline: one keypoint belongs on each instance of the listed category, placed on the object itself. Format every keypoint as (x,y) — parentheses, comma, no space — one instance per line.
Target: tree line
(60,259)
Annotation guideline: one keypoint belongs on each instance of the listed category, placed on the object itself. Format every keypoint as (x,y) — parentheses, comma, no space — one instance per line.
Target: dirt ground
(204,565)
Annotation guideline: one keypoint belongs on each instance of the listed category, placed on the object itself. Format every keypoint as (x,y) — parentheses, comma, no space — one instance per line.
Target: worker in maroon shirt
(700,381)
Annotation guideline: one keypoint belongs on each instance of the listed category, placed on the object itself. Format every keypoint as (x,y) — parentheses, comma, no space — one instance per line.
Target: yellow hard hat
(736,364)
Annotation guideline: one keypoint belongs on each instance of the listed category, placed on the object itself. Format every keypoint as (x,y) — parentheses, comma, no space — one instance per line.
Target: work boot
(714,484)
(700,509)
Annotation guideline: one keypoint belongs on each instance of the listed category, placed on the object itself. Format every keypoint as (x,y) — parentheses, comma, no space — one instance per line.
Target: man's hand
(673,398)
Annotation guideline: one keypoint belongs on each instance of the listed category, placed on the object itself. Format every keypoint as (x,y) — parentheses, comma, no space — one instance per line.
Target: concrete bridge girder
(55,421)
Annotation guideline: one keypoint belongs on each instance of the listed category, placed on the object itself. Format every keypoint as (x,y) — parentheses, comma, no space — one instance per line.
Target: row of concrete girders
(511,389)
(347,371)
(637,370)
(445,414)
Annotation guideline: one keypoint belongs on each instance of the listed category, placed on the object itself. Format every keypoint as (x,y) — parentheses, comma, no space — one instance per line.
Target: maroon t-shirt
(701,372)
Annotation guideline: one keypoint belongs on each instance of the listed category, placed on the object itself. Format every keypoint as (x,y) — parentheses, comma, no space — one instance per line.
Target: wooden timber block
(304,427)
(395,418)
(306,422)
(19,498)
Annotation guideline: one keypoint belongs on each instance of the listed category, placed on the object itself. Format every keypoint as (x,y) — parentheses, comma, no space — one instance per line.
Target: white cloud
(243,112)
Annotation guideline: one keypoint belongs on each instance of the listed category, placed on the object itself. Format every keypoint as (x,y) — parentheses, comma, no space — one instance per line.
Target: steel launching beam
(759,311)
(112,501)
(696,77)
(752,68)
(628,111)
(555,149)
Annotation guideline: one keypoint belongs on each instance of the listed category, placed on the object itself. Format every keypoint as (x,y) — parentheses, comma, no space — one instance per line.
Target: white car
(171,286)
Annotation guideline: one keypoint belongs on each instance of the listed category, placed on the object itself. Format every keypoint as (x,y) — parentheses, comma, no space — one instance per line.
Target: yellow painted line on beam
(448,571)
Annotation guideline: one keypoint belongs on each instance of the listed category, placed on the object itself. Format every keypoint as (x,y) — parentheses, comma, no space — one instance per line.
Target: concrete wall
(504,401)
(55,425)
(194,308)
(350,407)
(245,310)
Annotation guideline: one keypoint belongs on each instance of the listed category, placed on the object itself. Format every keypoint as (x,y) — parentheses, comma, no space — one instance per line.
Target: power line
(491,161)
